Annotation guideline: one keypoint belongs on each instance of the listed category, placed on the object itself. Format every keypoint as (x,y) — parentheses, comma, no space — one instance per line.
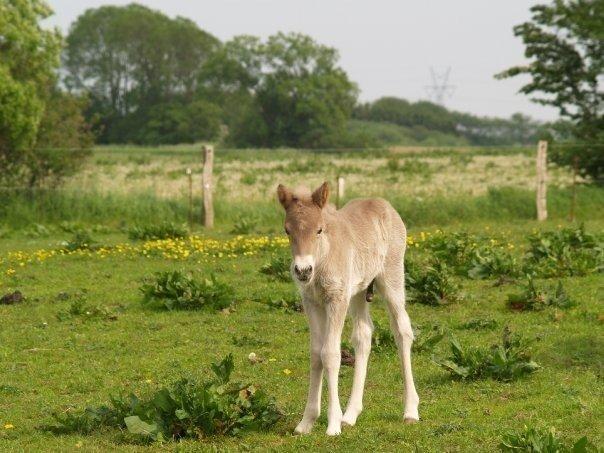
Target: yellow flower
(10,272)
(287,371)
(9,426)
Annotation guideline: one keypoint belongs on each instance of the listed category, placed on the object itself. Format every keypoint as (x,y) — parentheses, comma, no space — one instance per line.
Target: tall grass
(24,207)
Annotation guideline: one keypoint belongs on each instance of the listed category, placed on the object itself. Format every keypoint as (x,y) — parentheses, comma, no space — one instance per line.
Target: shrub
(186,408)
(176,290)
(532,298)
(163,230)
(531,439)
(245,224)
(566,252)
(504,362)
(434,287)
(278,267)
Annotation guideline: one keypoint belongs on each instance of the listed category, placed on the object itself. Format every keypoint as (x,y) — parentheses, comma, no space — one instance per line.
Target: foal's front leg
(331,358)
(317,325)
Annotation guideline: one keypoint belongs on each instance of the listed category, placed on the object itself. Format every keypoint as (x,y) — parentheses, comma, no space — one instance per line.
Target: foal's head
(304,226)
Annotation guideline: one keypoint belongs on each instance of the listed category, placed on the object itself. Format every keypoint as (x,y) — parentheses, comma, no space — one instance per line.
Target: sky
(387,47)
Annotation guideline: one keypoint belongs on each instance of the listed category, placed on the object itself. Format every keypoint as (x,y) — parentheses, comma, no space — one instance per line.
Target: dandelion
(9,426)
(287,371)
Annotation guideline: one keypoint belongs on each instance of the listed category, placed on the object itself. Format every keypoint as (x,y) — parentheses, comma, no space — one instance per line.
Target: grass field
(57,355)
(50,363)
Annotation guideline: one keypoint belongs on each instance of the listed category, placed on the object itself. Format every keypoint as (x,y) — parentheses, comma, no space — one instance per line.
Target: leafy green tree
(130,60)
(565,44)
(289,89)
(29,56)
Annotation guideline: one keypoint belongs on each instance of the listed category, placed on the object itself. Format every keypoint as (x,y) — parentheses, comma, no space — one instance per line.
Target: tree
(289,89)
(565,43)
(130,60)
(29,56)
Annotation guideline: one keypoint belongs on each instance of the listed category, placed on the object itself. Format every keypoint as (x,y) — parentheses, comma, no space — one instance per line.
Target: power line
(440,87)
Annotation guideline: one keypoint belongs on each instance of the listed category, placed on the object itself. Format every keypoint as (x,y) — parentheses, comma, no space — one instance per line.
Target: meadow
(83,257)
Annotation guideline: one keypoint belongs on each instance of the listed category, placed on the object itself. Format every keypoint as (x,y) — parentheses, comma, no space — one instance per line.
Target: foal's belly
(359,285)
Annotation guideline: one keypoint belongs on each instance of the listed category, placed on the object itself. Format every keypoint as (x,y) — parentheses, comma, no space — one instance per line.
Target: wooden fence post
(208,205)
(573,201)
(340,192)
(190,179)
(541,180)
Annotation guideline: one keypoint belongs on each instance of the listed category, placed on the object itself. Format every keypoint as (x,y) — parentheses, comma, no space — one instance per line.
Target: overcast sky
(386,46)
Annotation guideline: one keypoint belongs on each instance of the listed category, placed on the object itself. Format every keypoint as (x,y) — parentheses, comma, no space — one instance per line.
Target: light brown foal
(337,254)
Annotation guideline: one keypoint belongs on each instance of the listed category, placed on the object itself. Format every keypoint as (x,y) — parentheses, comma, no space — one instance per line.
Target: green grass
(51,207)
(50,363)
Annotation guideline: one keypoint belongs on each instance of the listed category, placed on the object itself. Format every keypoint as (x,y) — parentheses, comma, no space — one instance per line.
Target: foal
(337,255)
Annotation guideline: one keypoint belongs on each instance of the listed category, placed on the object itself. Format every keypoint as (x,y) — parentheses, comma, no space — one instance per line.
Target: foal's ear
(320,196)
(285,196)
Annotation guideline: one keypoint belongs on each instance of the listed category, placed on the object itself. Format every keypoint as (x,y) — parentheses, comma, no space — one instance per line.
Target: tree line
(134,75)
(154,80)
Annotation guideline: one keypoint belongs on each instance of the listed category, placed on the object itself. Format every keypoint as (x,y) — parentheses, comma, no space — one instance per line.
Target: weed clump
(163,230)
(488,262)
(479,324)
(287,304)
(81,240)
(185,409)
(278,268)
(81,309)
(434,287)
(506,361)
(382,339)
(177,290)
(245,224)
(532,439)
(425,342)
(566,252)
(533,299)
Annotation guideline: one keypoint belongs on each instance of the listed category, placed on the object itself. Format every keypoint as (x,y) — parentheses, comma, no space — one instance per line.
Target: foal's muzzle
(303,273)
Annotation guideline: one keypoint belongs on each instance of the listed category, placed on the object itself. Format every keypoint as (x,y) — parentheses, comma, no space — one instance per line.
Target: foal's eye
(286,231)
(320,231)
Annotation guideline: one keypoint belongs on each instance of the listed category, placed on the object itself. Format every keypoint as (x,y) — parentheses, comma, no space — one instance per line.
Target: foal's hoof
(410,421)
(333,431)
(304,427)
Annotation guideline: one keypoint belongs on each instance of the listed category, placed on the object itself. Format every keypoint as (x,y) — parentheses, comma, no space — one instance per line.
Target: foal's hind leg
(362,328)
(392,285)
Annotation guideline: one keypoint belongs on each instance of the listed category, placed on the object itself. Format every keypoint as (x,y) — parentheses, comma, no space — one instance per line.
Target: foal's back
(374,219)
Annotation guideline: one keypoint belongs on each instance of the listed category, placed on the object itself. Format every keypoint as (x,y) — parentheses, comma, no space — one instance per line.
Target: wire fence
(163,172)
